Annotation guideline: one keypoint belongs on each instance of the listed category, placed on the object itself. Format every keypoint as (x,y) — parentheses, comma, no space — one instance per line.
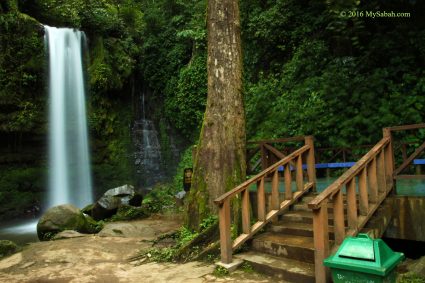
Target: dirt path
(103,258)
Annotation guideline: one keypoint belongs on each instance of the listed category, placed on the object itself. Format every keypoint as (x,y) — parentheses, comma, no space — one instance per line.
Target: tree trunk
(220,161)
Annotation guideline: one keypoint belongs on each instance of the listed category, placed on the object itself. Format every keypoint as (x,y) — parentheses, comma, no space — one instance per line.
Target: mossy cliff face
(112,31)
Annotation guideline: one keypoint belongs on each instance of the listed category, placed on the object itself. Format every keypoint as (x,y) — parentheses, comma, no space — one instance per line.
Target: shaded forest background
(307,70)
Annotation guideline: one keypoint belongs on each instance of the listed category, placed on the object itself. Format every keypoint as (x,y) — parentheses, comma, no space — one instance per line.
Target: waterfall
(69,162)
(147,154)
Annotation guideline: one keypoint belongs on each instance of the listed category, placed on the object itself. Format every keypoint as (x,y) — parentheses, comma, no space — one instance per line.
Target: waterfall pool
(21,231)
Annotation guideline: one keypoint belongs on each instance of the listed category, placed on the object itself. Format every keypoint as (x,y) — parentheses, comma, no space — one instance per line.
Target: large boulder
(114,198)
(60,218)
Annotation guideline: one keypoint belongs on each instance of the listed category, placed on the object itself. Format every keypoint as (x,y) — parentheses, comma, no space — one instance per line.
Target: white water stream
(69,161)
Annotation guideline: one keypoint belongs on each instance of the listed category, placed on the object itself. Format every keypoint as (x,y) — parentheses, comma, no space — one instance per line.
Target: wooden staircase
(302,228)
(286,249)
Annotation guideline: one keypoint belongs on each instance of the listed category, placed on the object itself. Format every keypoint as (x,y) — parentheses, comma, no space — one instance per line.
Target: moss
(127,212)
(7,247)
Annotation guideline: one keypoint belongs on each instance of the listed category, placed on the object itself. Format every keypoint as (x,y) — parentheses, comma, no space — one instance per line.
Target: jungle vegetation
(309,67)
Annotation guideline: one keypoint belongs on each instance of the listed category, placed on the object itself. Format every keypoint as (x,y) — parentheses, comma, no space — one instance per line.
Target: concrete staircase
(286,249)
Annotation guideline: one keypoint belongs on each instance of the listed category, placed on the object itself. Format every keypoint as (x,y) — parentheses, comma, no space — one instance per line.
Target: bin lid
(364,254)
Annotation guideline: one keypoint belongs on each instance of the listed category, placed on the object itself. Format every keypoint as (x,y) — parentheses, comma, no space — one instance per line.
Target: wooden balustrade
(368,181)
(251,226)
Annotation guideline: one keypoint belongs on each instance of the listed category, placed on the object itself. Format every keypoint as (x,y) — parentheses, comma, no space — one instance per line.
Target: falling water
(69,169)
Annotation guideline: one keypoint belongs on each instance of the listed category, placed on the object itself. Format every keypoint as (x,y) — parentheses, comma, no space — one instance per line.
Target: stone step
(304,207)
(289,246)
(303,216)
(298,229)
(285,269)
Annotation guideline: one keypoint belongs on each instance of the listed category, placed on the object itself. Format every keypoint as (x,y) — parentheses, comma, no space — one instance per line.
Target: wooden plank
(299,173)
(363,195)
(351,204)
(339,226)
(261,200)
(256,226)
(373,181)
(262,174)
(242,238)
(321,241)
(271,214)
(281,140)
(410,159)
(311,166)
(348,175)
(225,233)
(246,212)
(277,153)
(285,204)
(407,127)
(288,182)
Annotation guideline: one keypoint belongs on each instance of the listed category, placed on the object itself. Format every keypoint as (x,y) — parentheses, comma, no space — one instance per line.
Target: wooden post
(363,194)
(373,181)
(389,158)
(275,202)
(351,204)
(299,173)
(261,202)
(339,225)
(321,241)
(225,233)
(381,172)
(246,212)
(288,182)
(311,162)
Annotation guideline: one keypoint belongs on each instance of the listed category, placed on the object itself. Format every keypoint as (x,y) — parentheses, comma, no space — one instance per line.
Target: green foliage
(7,247)
(159,199)
(220,271)
(21,73)
(186,161)
(174,60)
(246,267)
(183,237)
(187,97)
(20,190)
(330,76)
(411,278)
(127,212)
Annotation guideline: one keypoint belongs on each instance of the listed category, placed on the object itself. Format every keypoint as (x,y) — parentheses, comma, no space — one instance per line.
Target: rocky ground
(104,258)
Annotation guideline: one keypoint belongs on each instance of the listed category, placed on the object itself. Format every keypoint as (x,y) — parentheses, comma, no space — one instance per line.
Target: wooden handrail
(406,127)
(264,216)
(410,159)
(349,174)
(281,140)
(263,173)
(374,172)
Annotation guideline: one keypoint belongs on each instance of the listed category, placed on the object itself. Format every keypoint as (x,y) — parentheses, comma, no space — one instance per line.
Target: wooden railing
(264,215)
(374,175)
(267,154)
(407,160)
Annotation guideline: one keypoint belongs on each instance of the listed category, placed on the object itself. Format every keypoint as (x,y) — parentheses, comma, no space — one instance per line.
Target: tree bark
(220,161)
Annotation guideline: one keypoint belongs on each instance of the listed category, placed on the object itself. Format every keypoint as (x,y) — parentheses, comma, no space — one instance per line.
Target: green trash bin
(363,260)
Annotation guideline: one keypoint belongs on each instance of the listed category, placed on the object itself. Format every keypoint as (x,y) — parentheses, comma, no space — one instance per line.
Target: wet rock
(67,234)
(60,218)
(7,247)
(114,198)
